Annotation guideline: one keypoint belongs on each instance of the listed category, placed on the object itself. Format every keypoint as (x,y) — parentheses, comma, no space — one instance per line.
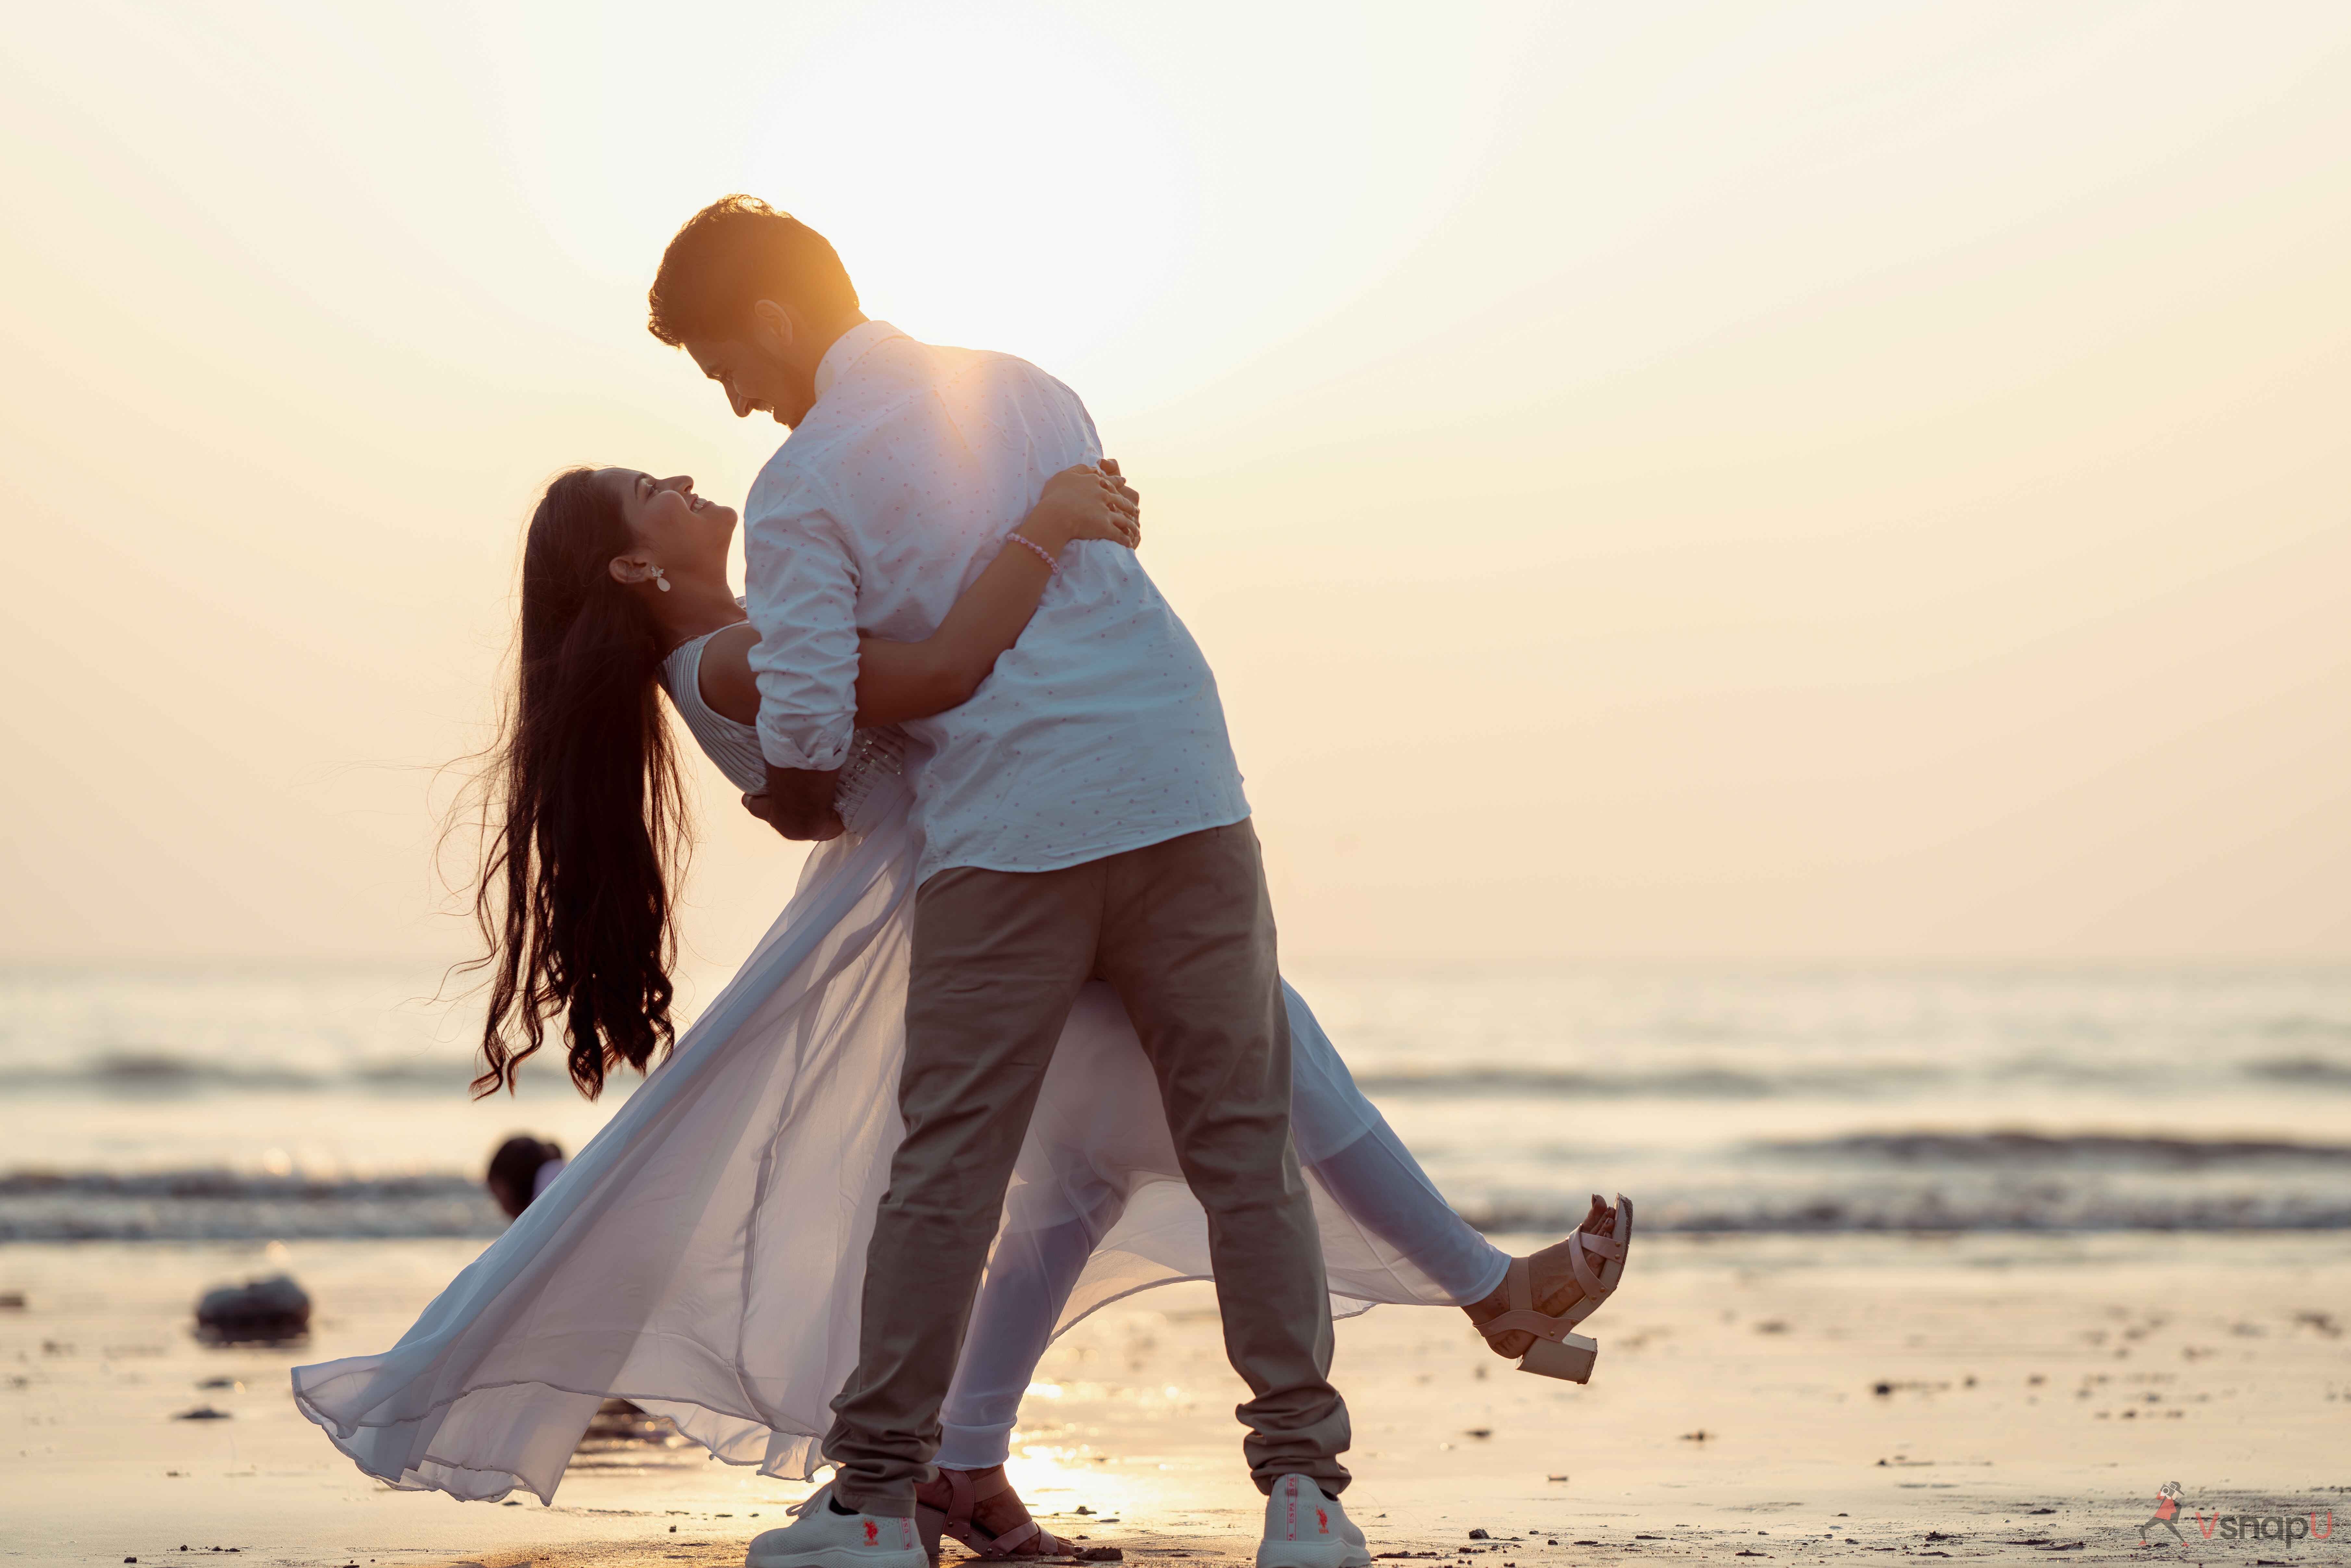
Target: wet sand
(1838,1398)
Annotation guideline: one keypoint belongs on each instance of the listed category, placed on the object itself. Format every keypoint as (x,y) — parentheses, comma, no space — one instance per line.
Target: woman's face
(683,533)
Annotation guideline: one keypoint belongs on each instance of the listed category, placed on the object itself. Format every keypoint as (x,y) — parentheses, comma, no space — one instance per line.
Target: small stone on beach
(272,1310)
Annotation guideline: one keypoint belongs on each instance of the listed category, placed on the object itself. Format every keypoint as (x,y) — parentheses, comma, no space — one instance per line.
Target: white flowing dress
(703,1254)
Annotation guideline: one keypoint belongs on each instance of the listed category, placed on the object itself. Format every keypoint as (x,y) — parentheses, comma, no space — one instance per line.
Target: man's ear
(773,328)
(632,568)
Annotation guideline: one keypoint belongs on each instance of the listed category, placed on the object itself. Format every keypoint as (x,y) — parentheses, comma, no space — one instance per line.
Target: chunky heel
(1568,1358)
(928,1524)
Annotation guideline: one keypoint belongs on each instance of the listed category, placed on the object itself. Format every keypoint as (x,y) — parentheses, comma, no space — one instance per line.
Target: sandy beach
(1985,1396)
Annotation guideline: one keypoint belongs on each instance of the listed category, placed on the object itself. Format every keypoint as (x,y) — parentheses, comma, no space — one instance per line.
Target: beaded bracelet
(1042,553)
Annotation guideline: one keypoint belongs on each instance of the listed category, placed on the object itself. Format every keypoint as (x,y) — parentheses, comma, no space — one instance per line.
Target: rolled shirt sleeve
(803,602)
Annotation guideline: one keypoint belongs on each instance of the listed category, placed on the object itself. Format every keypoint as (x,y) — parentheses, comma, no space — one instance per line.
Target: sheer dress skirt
(703,1254)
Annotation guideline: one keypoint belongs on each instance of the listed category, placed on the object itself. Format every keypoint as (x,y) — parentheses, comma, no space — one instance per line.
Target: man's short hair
(733,253)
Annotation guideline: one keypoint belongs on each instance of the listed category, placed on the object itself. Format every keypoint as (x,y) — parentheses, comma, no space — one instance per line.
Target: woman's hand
(1086,502)
(899,681)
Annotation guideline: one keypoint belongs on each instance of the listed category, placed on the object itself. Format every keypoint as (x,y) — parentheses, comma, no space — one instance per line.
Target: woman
(701,1255)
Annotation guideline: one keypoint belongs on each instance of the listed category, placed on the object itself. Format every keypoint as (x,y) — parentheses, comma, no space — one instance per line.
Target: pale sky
(1809,481)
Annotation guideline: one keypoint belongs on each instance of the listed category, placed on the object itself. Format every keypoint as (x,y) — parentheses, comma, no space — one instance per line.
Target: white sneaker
(1304,1529)
(820,1538)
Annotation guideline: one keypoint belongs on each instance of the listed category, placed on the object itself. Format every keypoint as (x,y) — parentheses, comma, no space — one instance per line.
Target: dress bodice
(874,755)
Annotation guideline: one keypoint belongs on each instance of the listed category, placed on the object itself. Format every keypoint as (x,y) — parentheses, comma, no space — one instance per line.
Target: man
(1083,816)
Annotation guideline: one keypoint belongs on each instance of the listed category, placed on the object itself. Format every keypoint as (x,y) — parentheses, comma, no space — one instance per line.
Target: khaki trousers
(1184,932)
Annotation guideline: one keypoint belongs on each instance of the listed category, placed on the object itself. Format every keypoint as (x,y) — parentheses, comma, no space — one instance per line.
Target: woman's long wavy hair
(582,811)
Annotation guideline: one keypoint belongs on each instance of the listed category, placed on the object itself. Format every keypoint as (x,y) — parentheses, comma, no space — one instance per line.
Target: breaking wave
(2112,1151)
(1928,1182)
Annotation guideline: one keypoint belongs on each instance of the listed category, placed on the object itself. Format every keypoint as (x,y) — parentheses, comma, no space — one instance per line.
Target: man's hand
(797,803)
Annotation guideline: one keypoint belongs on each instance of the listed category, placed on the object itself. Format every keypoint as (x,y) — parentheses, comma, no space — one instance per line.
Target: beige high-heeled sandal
(953,1515)
(1557,1352)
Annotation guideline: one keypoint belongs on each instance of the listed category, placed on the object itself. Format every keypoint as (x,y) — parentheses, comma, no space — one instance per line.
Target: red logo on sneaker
(873,1532)
(1322,1522)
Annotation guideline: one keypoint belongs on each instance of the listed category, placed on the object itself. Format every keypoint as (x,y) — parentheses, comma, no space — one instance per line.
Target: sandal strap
(1008,1544)
(1584,1276)
(1606,1246)
(1620,1237)
(961,1501)
(1543,1325)
(1611,1247)
(1597,1285)
(964,1499)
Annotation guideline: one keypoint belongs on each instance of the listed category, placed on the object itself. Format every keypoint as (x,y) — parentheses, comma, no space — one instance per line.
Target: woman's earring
(661,580)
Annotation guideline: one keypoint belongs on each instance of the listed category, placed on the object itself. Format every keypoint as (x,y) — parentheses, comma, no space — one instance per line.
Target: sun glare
(996,183)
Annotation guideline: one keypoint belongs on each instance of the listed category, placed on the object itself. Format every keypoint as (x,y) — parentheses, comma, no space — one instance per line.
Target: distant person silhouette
(520,1171)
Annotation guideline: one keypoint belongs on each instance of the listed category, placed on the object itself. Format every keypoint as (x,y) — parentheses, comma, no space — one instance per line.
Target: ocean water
(251,1103)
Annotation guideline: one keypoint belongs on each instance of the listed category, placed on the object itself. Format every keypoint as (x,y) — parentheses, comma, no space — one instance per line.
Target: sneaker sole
(1310,1554)
(834,1557)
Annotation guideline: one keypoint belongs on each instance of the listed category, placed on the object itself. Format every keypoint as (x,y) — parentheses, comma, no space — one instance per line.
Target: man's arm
(803,601)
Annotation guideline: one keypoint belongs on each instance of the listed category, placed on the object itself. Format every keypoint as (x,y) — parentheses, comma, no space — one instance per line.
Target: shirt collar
(848,348)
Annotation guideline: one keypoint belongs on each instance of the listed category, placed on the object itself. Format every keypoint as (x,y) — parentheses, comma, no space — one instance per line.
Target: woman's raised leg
(1360,1161)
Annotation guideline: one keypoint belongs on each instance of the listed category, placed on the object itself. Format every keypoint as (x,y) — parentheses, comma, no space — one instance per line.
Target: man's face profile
(755,374)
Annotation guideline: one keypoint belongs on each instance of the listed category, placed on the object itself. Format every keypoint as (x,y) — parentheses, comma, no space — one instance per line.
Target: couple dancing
(1017,1045)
